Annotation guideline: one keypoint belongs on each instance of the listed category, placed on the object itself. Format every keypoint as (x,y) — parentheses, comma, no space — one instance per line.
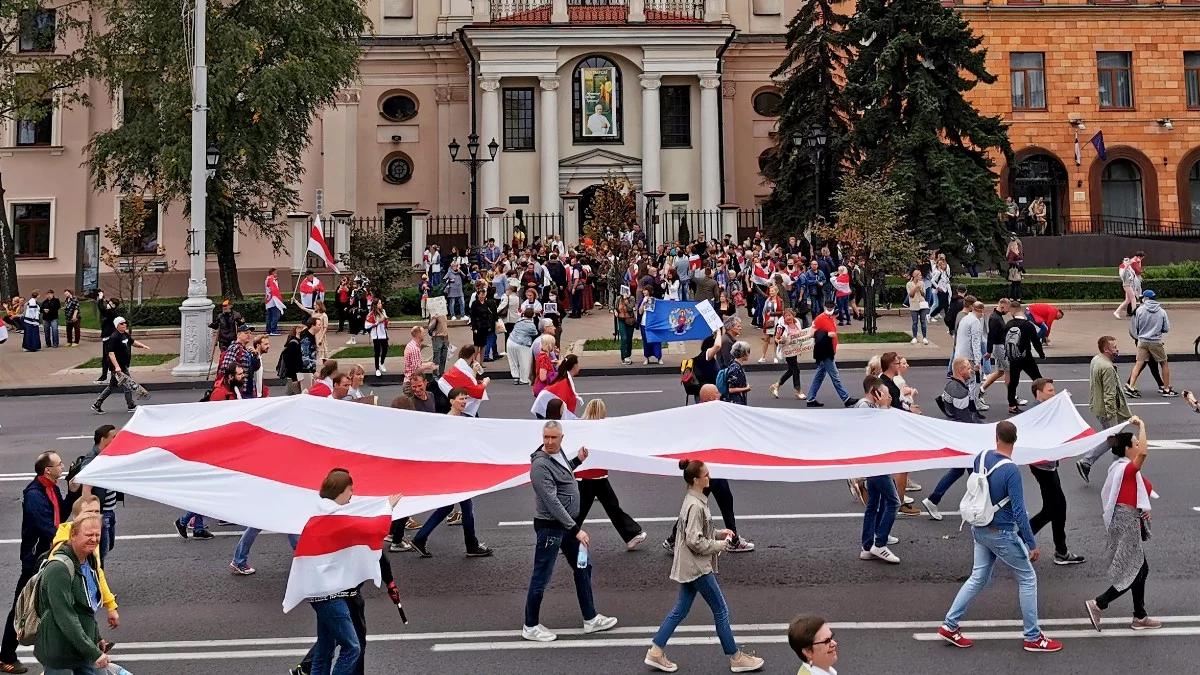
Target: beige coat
(696,550)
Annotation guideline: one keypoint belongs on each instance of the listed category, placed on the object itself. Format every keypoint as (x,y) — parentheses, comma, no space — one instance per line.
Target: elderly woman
(812,640)
(1126,496)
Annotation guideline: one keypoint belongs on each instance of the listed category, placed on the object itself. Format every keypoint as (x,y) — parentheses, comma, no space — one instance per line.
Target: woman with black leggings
(792,339)
(377,326)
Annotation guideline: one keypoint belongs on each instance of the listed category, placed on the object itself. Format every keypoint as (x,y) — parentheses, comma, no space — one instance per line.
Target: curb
(606,371)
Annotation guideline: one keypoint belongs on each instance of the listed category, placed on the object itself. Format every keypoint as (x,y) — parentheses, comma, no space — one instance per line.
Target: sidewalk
(55,371)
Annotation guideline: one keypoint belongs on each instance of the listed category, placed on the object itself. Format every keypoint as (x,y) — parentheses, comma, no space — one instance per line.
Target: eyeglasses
(826,642)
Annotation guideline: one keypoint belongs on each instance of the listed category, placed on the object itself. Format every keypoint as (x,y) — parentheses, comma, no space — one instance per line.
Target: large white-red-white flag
(272,295)
(318,247)
(562,389)
(463,375)
(260,462)
(338,549)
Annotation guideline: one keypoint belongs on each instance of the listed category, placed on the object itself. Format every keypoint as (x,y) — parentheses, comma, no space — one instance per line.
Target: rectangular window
(1028,80)
(35,118)
(675,116)
(518,118)
(31,229)
(1191,78)
(146,241)
(1115,70)
(37,31)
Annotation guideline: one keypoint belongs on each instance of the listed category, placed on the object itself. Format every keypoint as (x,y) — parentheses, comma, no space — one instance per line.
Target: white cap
(118,321)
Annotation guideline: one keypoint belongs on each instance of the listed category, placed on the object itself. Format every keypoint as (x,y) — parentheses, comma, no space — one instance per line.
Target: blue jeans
(650,349)
(51,328)
(921,317)
(1042,329)
(241,553)
(334,629)
(108,533)
(198,525)
(489,348)
(273,315)
(708,589)
(949,478)
(843,308)
(453,303)
(973,269)
(882,502)
(551,540)
(815,304)
(827,367)
(1006,545)
(468,524)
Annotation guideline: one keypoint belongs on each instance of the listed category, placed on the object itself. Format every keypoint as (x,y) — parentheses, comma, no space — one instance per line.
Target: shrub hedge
(1041,291)
(165,311)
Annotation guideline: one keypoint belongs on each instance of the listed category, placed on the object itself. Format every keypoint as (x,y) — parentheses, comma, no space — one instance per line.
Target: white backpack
(976,507)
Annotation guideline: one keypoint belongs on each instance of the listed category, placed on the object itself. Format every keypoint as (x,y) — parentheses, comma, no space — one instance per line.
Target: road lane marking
(614,393)
(671,519)
(1085,405)
(1064,380)
(75,438)
(136,537)
(1166,631)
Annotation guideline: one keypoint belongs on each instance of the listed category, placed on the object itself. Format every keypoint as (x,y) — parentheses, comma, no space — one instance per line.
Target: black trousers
(1139,593)
(591,489)
(8,649)
(793,371)
(358,616)
(381,350)
(1054,507)
(343,311)
(1015,368)
(719,489)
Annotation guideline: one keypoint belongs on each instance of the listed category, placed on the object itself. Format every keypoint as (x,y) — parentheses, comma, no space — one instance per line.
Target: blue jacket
(812,280)
(37,521)
(1006,482)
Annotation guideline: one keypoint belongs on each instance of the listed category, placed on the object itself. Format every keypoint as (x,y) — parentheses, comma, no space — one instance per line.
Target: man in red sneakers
(1005,536)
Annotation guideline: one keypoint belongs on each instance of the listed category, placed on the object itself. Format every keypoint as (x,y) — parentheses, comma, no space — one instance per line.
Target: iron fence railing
(521,11)
(448,231)
(521,229)
(669,10)
(749,221)
(1134,227)
(687,226)
(599,10)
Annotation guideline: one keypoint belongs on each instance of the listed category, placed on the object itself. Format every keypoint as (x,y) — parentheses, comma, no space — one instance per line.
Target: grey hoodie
(555,492)
(1149,322)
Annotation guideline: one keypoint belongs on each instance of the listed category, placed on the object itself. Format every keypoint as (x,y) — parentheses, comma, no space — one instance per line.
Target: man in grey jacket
(556,496)
(1148,326)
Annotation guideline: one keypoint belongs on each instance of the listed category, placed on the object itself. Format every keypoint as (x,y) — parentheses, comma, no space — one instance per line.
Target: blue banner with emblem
(672,321)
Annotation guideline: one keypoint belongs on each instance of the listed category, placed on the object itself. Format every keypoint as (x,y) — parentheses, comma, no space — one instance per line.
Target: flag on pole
(671,321)
(339,548)
(563,390)
(318,247)
(463,375)
(1098,142)
(1078,152)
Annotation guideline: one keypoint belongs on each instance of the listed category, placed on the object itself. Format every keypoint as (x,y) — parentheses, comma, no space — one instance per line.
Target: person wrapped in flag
(462,375)
(274,301)
(339,549)
(563,389)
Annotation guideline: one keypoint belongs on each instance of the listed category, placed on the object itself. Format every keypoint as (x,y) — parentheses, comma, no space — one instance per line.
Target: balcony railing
(520,11)
(674,10)
(593,11)
(1134,227)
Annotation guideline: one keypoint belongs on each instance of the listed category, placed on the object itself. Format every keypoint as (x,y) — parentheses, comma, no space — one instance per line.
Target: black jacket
(292,361)
(37,521)
(1029,337)
(226,325)
(995,331)
(952,311)
(822,346)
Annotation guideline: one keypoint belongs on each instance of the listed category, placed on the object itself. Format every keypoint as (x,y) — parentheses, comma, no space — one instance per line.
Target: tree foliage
(272,65)
(914,62)
(870,225)
(378,254)
(613,209)
(127,234)
(813,96)
(35,73)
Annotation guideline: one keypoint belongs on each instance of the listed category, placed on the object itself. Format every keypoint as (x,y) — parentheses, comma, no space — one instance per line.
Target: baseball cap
(243,328)
(1149,295)
(118,321)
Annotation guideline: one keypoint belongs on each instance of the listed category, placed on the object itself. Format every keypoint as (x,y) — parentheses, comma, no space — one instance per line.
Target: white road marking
(1057,380)
(75,438)
(671,519)
(1084,405)
(614,393)
(136,537)
(1196,508)
(1073,634)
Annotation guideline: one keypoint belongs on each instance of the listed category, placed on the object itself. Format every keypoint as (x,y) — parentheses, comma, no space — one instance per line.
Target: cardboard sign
(436,306)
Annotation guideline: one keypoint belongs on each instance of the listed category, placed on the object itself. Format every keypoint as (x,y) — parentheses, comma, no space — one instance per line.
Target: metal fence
(749,221)
(674,10)
(687,226)
(449,231)
(531,228)
(1134,227)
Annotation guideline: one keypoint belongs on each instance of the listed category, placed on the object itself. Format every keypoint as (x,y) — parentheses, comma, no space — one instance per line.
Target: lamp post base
(195,338)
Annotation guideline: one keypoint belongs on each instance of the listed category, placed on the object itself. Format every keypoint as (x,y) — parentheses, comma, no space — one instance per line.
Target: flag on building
(318,247)
(672,321)
(1098,142)
(563,390)
(1078,152)
(339,548)
(463,375)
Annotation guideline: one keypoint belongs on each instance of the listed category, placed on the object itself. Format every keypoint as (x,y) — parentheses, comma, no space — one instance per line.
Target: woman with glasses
(695,570)
(812,640)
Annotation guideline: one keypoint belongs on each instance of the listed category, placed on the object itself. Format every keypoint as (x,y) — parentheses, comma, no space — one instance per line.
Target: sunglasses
(828,641)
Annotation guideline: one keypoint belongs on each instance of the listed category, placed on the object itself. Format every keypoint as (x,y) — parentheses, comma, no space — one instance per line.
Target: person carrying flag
(462,376)
(274,301)
(311,289)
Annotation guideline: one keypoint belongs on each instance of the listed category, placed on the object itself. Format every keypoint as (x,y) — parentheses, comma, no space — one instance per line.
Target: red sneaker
(954,637)
(1043,644)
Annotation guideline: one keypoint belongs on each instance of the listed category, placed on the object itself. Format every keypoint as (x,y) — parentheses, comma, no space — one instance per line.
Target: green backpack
(26,614)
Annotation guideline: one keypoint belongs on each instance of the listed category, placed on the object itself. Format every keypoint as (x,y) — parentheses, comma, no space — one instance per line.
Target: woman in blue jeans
(695,569)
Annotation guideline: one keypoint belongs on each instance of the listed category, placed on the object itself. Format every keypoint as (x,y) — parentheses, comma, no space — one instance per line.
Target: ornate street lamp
(473,162)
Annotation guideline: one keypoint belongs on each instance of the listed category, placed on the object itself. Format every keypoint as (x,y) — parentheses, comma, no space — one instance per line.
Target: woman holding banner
(650,350)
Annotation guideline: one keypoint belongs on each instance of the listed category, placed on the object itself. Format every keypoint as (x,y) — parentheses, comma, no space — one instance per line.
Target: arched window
(768,103)
(1121,192)
(596,101)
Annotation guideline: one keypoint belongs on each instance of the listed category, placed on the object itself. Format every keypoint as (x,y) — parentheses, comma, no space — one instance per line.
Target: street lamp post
(473,162)
(814,139)
(195,339)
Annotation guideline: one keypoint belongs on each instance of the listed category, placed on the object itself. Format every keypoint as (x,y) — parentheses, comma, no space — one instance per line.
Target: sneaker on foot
(201,534)
(908,500)
(913,486)
(384,368)
(954,637)
(243,570)
(865,555)
(403,547)
(1093,611)
(1131,392)
(763,360)
(97,410)
(908,510)
(1145,623)
(538,633)
(850,402)
(742,662)
(480,551)
(1085,471)
(412,524)
(636,541)
(815,404)
(131,409)
(913,341)
(181,528)
(893,540)
(14,667)
(599,624)
(884,554)
(378,372)
(924,341)
(455,518)
(742,546)
(982,405)
(668,546)
(1168,393)
(1068,558)
(931,509)
(422,548)
(659,661)
(1042,644)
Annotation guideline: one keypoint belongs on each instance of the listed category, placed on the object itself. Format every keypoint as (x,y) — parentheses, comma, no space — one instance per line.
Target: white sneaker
(982,405)
(924,341)
(892,541)
(913,341)
(775,360)
(743,546)
(1022,401)
(636,541)
(378,372)
(384,368)
(645,361)
(599,623)
(865,555)
(884,554)
(908,500)
(913,486)
(931,509)
(538,633)
(763,360)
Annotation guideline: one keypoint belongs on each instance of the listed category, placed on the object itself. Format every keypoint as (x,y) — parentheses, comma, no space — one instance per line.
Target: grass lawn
(367,351)
(1110,271)
(607,345)
(138,360)
(881,336)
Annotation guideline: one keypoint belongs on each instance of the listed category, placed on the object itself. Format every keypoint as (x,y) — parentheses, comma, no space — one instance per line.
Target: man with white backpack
(994,506)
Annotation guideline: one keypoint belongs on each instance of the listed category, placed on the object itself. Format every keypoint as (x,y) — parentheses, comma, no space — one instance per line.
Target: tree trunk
(8,252)
(221,223)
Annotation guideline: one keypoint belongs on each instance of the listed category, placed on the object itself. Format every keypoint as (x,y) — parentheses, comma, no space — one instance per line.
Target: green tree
(271,67)
(813,96)
(36,69)
(378,254)
(915,62)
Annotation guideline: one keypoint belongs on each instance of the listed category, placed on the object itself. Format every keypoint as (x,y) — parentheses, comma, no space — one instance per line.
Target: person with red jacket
(1043,315)
(323,385)
(229,385)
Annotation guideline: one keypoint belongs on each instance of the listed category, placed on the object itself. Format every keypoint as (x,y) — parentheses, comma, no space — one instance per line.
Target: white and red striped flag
(260,462)
(339,548)
(272,295)
(318,247)
(463,375)
(564,390)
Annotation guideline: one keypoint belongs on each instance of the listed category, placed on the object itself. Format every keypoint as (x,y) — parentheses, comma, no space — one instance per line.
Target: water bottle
(114,669)
(582,561)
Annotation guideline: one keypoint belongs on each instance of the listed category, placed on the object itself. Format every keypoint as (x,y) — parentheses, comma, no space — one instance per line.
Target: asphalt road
(182,612)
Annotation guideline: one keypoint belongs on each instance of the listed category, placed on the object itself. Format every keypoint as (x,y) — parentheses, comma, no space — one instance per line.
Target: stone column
(729,220)
(710,139)
(494,227)
(299,220)
(489,124)
(420,221)
(651,138)
(340,158)
(548,143)
(482,11)
(558,11)
(571,218)
(637,11)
